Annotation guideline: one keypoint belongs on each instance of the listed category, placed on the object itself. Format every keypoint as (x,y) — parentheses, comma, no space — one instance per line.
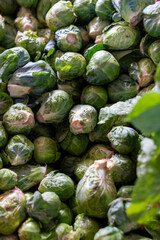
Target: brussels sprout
(86,226)
(46,150)
(153,51)
(73,87)
(143,71)
(131,11)
(109,116)
(8,179)
(11,60)
(29,230)
(151,19)
(65,214)
(3,137)
(123,139)
(65,231)
(5,102)
(31,42)
(27,3)
(102,68)
(122,169)
(33,78)
(70,65)
(82,118)
(146,41)
(95,96)
(55,107)
(42,9)
(68,164)
(73,144)
(19,119)
(97,152)
(96,190)
(96,26)
(119,36)
(118,217)
(109,233)
(84,9)
(29,175)
(9,36)
(104,9)
(59,183)
(69,39)
(44,207)
(26,21)
(13,210)
(2,28)
(19,150)
(125,191)
(122,89)
(135,237)
(60,15)
(8,7)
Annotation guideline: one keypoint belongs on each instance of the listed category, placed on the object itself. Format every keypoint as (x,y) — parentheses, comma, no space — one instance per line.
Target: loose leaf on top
(145,115)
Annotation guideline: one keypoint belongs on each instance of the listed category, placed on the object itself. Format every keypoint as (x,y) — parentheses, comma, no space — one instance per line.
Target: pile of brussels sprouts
(70,73)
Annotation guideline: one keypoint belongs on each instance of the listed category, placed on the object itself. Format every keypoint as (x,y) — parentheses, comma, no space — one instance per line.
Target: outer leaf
(145,115)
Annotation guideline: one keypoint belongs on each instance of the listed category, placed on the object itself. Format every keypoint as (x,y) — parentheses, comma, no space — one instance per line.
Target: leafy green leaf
(145,114)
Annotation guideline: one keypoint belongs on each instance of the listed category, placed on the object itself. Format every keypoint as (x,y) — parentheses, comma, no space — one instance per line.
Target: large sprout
(109,233)
(12,59)
(31,42)
(102,68)
(70,65)
(84,9)
(19,119)
(119,36)
(95,96)
(122,89)
(82,118)
(8,179)
(59,183)
(54,107)
(29,175)
(104,9)
(32,79)
(13,210)
(73,144)
(60,15)
(44,207)
(122,169)
(142,71)
(86,226)
(29,230)
(46,150)
(69,39)
(96,190)
(123,139)
(19,150)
